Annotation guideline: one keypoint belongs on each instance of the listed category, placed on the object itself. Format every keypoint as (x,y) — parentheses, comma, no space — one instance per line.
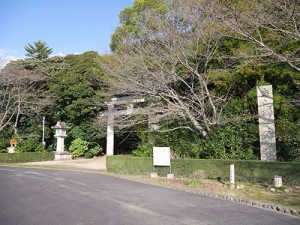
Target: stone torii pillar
(111,114)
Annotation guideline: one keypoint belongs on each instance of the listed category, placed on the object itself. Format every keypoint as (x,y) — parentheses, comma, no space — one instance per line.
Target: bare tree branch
(171,69)
(21,93)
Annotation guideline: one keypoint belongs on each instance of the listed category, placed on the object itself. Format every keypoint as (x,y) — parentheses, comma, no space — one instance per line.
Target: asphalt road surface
(54,197)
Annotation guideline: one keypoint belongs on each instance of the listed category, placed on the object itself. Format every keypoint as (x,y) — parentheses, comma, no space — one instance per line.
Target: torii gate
(111,113)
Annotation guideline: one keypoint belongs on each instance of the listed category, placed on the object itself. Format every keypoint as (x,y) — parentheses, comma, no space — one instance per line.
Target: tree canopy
(197,64)
(38,50)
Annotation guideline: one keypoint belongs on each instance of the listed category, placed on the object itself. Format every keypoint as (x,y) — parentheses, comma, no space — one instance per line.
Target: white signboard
(161,156)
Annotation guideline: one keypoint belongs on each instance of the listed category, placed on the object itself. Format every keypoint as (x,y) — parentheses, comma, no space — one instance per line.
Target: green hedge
(26,157)
(245,171)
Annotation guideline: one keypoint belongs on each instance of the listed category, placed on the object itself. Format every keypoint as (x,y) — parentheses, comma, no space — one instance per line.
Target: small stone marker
(277,181)
(232,177)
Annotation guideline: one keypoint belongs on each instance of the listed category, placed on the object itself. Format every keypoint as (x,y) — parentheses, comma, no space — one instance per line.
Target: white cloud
(63,54)
(6,56)
(58,54)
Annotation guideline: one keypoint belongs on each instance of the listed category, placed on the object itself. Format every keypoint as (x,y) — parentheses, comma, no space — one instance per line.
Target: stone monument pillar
(61,134)
(266,123)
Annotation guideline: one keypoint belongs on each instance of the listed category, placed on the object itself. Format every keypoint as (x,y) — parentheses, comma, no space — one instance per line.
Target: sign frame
(161,156)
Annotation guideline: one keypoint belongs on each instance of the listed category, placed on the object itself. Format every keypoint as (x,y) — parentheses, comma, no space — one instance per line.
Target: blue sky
(67,26)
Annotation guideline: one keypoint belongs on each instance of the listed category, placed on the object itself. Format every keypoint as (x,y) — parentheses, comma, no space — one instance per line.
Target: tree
(21,93)
(75,89)
(132,20)
(3,62)
(38,50)
(198,62)
(271,26)
(171,66)
(76,92)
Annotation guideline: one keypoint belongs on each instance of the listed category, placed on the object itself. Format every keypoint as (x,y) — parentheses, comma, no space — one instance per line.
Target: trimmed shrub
(30,145)
(245,171)
(26,157)
(80,147)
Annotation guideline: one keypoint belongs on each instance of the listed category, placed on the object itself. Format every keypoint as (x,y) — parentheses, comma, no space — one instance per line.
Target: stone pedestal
(170,175)
(63,156)
(153,175)
(11,149)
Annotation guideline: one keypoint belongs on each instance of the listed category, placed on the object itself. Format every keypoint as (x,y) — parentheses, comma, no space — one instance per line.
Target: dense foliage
(200,45)
(79,148)
(195,63)
(72,88)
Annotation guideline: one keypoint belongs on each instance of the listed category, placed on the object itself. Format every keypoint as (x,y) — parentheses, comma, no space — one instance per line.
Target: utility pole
(43,138)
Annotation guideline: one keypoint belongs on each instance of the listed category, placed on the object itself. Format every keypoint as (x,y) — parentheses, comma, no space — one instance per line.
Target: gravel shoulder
(95,164)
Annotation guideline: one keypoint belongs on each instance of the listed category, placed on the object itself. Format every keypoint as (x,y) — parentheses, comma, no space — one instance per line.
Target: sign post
(162,157)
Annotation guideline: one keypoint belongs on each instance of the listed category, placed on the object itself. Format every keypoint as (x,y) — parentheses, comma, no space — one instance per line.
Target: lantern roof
(60,125)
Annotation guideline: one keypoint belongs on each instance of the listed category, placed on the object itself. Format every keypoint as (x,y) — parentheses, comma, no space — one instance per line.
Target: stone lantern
(60,134)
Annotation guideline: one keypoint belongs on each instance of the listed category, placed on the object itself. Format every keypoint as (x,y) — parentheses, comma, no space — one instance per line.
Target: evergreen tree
(38,50)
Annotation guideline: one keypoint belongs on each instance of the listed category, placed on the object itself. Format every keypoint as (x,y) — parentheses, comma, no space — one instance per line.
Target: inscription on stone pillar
(266,123)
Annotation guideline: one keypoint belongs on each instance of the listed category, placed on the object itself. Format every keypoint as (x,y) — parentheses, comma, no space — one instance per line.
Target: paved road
(53,197)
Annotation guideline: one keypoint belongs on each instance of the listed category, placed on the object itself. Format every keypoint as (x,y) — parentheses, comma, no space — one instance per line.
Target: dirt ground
(95,164)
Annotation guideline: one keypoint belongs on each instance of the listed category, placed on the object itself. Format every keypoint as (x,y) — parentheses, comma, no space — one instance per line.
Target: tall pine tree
(38,50)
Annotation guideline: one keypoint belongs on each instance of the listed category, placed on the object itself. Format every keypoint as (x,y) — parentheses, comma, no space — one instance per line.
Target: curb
(291,212)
